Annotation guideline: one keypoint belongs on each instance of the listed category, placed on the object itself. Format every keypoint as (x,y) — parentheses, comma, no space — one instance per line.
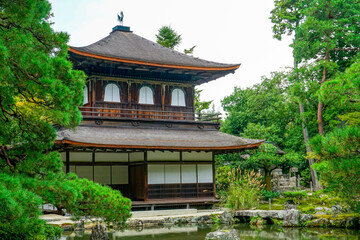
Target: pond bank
(167,218)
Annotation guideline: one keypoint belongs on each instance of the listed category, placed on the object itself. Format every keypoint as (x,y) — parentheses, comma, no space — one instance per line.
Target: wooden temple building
(140,133)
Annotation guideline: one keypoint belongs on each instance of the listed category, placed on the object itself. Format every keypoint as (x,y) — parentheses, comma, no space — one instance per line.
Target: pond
(196,232)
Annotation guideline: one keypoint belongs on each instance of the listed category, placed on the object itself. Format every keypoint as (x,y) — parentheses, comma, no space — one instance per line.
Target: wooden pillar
(181,194)
(67,163)
(129,181)
(213,173)
(93,163)
(129,93)
(163,96)
(93,92)
(197,181)
(146,176)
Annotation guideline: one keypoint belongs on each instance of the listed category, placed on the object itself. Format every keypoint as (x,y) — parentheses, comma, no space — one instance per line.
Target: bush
(222,181)
(269,194)
(244,190)
(20,212)
(296,195)
(337,157)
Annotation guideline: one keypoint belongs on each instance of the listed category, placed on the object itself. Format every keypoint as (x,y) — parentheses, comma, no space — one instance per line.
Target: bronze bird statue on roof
(121,17)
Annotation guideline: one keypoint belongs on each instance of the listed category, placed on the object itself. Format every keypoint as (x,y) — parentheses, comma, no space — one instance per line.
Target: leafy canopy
(338,161)
(40,91)
(167,37)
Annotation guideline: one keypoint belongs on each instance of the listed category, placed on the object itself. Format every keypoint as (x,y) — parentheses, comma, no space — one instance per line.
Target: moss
(337,217)
(277,221)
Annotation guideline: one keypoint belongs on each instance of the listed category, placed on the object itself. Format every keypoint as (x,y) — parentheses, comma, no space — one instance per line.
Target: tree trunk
(320,118)
(267,180)
(321,103)
(308,149)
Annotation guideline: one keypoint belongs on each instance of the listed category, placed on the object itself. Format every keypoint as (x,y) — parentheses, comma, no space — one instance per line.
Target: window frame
(119,88)
(172,92)
(153,94)
(86,96)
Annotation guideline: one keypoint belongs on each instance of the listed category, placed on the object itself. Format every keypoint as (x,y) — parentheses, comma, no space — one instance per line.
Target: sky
(229,31)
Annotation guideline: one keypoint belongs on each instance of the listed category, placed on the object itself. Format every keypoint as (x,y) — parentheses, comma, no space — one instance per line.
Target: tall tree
(328,35)
(168,37)
(39,92)
(268,104)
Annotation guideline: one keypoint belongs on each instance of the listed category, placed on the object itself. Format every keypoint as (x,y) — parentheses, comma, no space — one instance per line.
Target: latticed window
(112,93)
(178,97)
(146,95)
(86,95)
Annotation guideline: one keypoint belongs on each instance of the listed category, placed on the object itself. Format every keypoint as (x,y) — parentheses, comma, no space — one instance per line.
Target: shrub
(269,194)
(222,181)
(244,190)
(295,195)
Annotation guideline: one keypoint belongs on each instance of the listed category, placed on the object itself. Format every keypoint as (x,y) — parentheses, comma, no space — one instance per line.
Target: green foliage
(244,191)
(264,111)
(39,91)
(295,195)
(168,37)
(222,181)
(269,194)
(338,161)
(102,202)
(200,106)
(190,51)
(20,211)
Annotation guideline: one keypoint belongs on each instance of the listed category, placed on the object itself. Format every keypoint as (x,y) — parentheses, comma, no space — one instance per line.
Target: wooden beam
(67,161)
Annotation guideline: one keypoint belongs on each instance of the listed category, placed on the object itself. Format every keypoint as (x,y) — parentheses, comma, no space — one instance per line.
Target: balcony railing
(120,113)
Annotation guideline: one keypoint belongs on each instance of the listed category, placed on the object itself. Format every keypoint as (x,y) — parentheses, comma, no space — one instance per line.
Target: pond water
(245,231)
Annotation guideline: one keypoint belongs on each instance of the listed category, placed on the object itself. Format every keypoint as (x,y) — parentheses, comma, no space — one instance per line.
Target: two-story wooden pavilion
(140,133)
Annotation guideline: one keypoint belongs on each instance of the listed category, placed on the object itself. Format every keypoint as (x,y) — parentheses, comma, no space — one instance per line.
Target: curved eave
(152,64)
(223,148)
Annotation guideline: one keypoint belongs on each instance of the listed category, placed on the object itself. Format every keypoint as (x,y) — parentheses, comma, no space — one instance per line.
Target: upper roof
(153,139)
(126,47)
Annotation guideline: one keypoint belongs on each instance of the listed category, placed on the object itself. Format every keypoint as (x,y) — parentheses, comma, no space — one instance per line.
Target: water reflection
(197,232)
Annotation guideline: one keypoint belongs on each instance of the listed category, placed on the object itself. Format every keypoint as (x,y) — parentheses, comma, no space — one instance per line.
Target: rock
(204,219)
(291,218)
(289,206)
(305,218)
(181,221)
(226,218)
(79,226)
(223,235)
(67,227)
(319,222)
(99,233)
(338,209)
(322,210)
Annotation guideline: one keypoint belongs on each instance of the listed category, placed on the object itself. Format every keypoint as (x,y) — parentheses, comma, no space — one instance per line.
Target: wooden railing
(121,113)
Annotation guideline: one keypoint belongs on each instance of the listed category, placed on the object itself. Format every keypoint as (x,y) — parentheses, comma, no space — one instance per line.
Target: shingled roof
(127,47)
(154,139)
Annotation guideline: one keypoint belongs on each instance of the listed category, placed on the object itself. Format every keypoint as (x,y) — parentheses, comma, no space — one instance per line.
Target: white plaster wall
(80,157)
(197,156)
(205,173)
(188,173)
(163,156)
(136,156)
(111,157)
(172,173)
(156,174)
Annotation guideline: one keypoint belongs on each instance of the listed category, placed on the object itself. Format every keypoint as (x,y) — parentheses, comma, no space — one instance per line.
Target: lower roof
(153,139)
